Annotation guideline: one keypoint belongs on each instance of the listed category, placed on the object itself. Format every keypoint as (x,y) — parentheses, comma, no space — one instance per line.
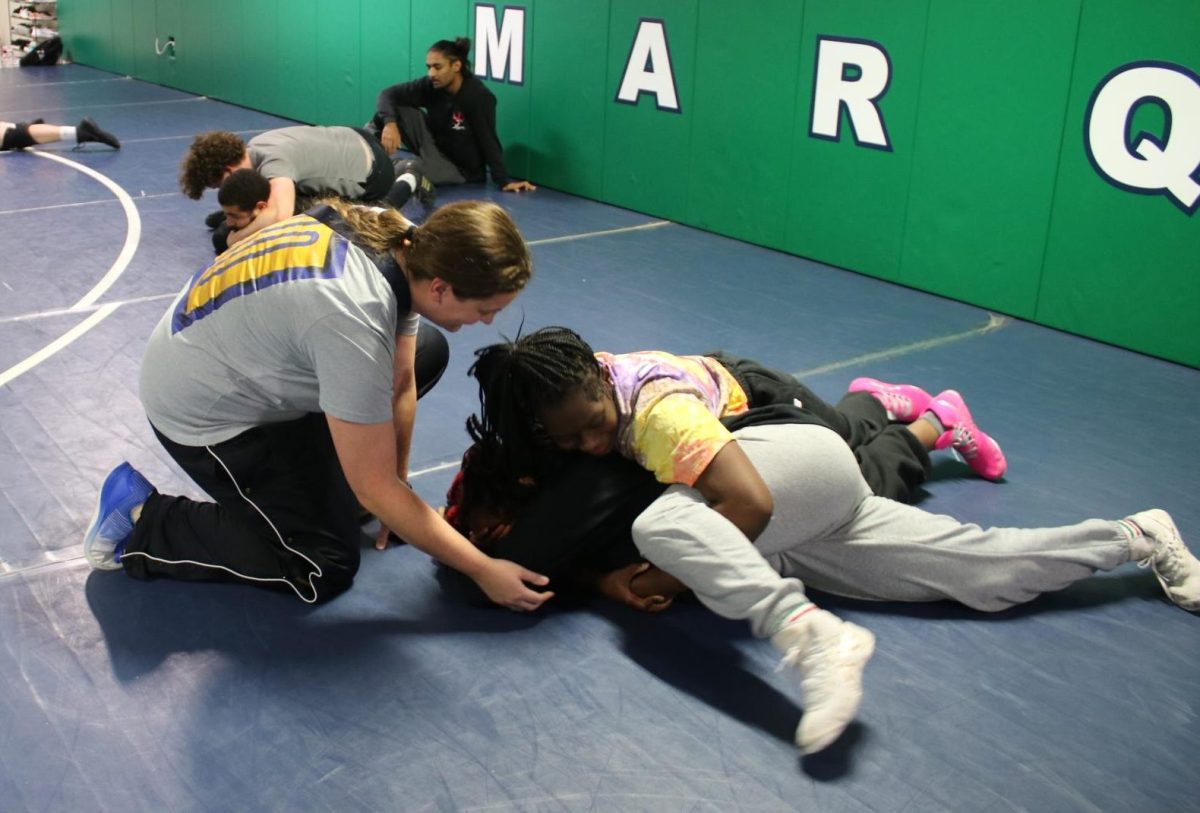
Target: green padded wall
(647,164)
(746,127)
(841,191)
(985,160)
(567,75)
(1121,266)
(513,109)
(986,193)
(386,53)
(434,20)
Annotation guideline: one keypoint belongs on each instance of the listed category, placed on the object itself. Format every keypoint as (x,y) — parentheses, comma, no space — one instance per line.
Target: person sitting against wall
(19,135)
(298,162)
(447,118)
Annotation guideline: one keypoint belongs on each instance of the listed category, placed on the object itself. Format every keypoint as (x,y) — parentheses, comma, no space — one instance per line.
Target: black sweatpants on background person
(283,515)
(891,458)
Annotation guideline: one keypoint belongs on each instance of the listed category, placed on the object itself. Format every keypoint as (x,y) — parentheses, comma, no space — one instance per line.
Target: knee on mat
(337,575)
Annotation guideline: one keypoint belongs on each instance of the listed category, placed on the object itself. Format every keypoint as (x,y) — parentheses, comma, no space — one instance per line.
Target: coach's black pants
(282,516)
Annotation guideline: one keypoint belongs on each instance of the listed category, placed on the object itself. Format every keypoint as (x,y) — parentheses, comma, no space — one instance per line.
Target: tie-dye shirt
(669,410)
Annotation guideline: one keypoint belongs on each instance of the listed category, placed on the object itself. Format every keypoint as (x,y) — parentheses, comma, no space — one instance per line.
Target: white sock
(66,134)
(409,179)
(1141,546)
(788,635)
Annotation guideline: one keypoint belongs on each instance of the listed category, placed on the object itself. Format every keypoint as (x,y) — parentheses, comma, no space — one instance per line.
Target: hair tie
(410,233)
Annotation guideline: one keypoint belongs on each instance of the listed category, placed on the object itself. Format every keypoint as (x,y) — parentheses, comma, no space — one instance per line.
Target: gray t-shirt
(319,160)
(294,320)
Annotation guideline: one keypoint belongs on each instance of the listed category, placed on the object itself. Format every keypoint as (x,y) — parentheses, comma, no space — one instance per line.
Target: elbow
(760,512)
(751,514)
(371,494)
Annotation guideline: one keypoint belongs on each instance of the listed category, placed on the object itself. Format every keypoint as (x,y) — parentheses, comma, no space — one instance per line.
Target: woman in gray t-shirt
(284,378)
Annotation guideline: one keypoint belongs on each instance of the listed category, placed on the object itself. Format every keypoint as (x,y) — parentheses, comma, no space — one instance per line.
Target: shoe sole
(90,537)
(1163,519)
(861,648)
(964,414)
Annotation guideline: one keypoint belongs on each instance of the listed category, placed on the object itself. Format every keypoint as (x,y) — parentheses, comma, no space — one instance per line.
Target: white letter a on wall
(648,68)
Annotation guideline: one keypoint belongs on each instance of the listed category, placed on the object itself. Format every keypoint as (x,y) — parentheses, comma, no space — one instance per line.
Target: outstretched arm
(367,453)
(483,124)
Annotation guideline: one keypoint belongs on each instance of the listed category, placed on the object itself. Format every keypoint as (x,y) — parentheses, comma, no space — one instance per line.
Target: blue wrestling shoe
(124,489)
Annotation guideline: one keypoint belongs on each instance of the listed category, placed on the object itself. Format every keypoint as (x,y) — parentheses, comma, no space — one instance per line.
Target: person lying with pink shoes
(761,493)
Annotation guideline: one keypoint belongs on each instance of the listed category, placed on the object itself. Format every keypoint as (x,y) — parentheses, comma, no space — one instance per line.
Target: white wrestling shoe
(1177,568)
(830,655)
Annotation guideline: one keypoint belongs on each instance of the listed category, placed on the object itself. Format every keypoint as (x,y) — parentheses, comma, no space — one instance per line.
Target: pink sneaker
(904,402)
(979,451)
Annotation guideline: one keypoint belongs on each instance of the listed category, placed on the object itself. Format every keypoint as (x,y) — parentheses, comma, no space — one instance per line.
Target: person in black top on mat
(447,119)
(19,135)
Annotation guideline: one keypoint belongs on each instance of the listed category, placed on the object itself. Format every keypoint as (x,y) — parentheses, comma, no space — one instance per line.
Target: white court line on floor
(29,317)
(566,239)
(25,317)
(40,85)
(133,230)
(995,322)
(58,344)
(82,203)
(7,115)
(133,234)
(179,137)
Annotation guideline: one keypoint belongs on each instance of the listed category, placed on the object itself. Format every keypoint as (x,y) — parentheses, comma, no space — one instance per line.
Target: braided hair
(519,379)
(485,482)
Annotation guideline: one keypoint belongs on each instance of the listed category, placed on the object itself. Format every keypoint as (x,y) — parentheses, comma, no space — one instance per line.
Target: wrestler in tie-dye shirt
(669,409)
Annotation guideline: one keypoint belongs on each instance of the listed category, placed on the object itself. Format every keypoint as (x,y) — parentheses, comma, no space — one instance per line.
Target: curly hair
(206,161)
(245,189)
(471,244)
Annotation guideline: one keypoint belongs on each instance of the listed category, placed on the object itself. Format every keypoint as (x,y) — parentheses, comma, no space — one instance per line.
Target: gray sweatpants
(831,531)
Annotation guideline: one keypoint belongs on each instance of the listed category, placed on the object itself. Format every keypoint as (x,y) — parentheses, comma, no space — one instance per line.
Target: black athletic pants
(892,460)
(581,518)
(283,514)
(17,137)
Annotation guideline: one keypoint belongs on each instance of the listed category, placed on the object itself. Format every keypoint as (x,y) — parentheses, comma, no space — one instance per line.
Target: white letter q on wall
(1147,163)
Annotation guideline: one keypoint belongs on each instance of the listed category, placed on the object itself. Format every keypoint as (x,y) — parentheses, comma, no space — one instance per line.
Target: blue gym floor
(118,695)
